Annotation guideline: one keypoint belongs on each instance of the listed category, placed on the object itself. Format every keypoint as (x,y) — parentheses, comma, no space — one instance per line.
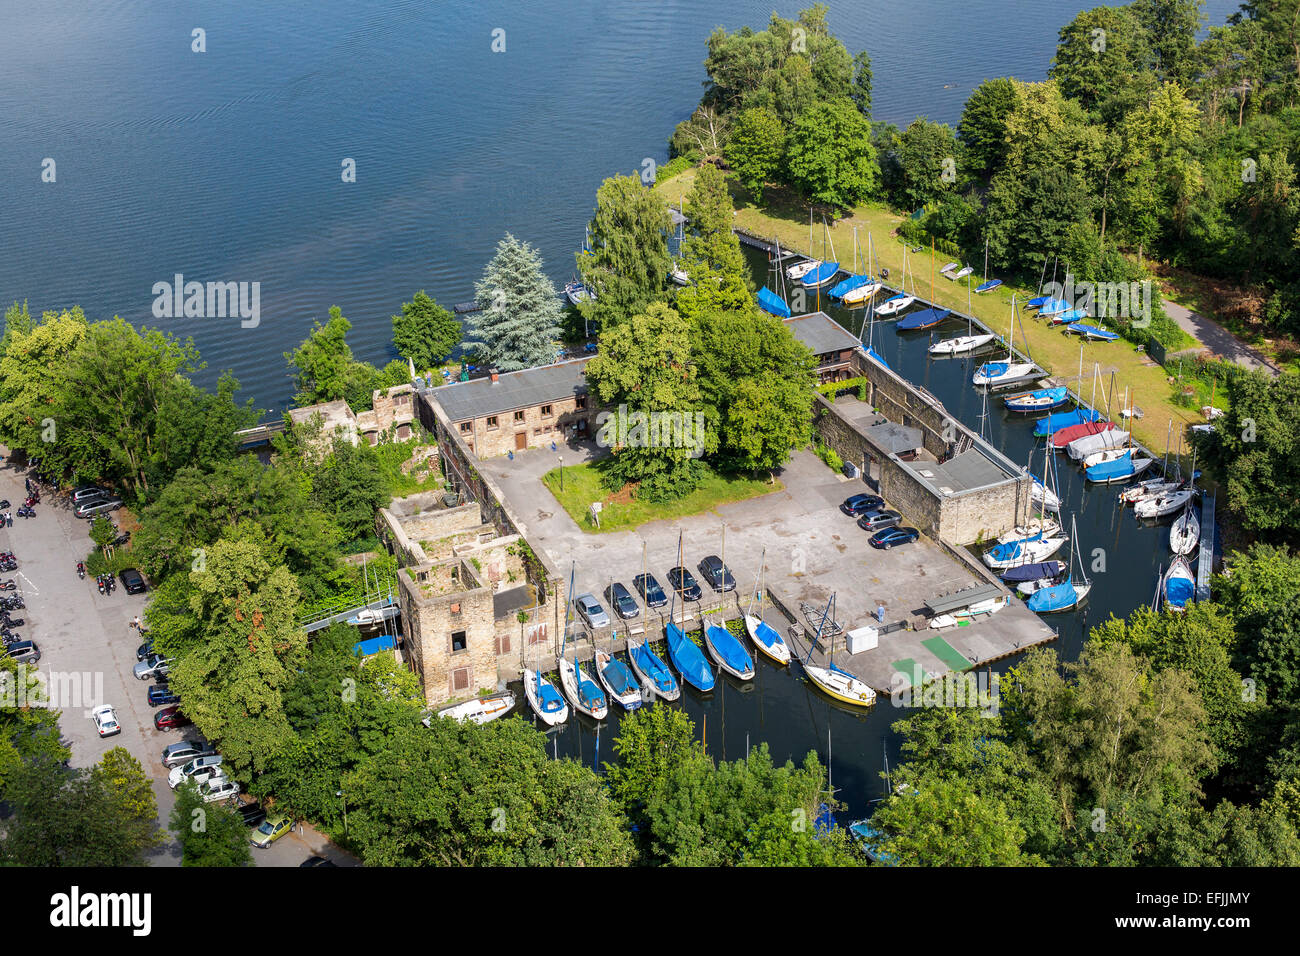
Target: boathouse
(831,343)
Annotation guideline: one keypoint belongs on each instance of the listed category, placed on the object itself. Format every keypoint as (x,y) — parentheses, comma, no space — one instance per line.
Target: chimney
(494,375)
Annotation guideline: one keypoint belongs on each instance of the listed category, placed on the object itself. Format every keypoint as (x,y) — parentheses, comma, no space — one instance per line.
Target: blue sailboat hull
(1033,401)
(689,659)
(922,319)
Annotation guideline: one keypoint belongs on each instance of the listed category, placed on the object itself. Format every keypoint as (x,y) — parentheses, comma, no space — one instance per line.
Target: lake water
(225,166)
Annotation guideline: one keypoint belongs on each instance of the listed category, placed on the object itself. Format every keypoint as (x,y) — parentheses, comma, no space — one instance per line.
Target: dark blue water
(226,165)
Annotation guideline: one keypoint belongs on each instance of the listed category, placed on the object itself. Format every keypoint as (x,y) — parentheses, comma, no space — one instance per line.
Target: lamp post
(561,473)
(339,794)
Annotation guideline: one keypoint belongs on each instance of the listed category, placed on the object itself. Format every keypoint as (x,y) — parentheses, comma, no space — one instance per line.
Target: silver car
(200,769)
(155,665)
(183,751)
(97,506)
(591,610)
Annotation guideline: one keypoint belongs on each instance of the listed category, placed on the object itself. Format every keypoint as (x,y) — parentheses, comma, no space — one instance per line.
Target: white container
(863,639)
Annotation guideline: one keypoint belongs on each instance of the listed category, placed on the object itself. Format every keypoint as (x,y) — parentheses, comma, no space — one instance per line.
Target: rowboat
(481,710)
(961,344)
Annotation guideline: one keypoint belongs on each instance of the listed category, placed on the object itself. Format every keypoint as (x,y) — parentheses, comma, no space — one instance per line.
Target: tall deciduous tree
(983,125)
(210,834)
(830,156)
(626,260)
(519,325)
(425,332)
(756,149)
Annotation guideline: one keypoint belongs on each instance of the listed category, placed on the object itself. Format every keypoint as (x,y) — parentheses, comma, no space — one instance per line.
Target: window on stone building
(466,427)
(519,416)
(458,641)
(581,402)
(546,410)
(460,679)
(503,644)
(492,421)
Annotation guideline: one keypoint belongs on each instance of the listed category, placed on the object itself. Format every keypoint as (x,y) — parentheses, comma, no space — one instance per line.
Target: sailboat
(922,319)
(686,657)
(1094,332)
(1039,492)
(727,651)
(1039,400)
(1031,528)
(1179,584)
(765,637)
(581,691)
(1067,594)
(988,285)
(481,710)
(617,679)
(1062,437)
(1057,421)
(1106,455)
(991,373)
(1185,533)
(961,344)
(1164,504)
(901,301)
(1033,572)
(1109,439)
(1121,469)
(544,699)
(649,666)
(838,683)
(961,273)
(1151,488)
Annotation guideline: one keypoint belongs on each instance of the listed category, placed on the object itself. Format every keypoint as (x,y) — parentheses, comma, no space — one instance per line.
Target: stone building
(832,344)
(390,419)
(511,411)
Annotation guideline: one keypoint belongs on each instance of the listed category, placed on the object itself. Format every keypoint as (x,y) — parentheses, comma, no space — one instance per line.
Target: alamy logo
(58,690)
(1124,300)
(651,430)
(74,909)
(213,300)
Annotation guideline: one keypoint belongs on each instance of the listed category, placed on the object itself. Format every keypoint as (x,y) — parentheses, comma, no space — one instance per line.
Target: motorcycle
(81,570)
(4,503)
(8,585)
(99,581)
(111,582)
(26,511)
(7,622)
(12,603)
(34,499)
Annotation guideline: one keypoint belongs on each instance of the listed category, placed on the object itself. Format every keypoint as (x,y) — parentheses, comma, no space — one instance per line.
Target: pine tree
(520,322)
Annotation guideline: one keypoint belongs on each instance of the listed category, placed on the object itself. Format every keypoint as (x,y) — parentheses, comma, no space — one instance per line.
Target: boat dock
(1205,556)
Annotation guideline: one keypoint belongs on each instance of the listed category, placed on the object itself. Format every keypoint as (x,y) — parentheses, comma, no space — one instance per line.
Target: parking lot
(81,631)
(812,548)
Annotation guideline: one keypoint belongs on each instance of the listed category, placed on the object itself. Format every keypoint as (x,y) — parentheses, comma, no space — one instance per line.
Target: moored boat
(1179,584)
(992,373)
(961,344)
(1158,506)
(544,699)
(1061,438)
(1039,400)
(1185,533)
(616,677)
(766,638)
(922,319)
(481,710)
(1056,421)
(727,651)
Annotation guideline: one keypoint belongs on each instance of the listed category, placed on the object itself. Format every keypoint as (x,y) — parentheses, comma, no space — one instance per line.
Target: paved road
(1218,339)
(81,631)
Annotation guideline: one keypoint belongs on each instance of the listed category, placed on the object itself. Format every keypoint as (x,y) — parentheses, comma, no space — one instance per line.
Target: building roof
(462,401)
(969,470)
(895,438)
(333,413)
(821,333)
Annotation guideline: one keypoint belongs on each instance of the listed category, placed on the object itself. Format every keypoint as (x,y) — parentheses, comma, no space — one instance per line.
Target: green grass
(583,485)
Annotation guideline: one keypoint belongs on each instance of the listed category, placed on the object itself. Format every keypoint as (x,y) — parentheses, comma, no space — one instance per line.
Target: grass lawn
(781,216)
(620,511)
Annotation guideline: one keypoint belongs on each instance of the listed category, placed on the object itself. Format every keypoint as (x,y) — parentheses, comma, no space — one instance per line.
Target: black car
(317,861)
(144,650)
(875,520)
(161,695)
(621,600)
(861,504)
(650,591)
(717,574)
(887,538)
(132,581)
(253,814)
(684,584)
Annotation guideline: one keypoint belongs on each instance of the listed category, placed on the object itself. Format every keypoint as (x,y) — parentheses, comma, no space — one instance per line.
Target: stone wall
(447,611)
(488,440)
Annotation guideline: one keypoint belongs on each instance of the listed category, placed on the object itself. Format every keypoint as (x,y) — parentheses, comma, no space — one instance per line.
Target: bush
(671,168)
(97,563)
(829,455)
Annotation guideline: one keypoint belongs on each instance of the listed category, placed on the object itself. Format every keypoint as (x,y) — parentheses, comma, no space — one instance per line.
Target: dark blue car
(650,591)
(861,504)
(160,695)
(889,537)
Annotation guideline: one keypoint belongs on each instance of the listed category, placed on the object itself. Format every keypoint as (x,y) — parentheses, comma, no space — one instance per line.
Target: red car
(170,718)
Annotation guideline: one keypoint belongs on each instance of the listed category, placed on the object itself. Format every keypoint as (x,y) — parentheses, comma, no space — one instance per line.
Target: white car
(105,720)
(200,770)
(219,788)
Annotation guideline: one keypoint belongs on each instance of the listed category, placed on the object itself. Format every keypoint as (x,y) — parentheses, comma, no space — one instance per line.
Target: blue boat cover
(769,301)
(766,635)
(1072,315)
(993,369)
(922,319)
(876,355)
(1038,302)
(1011,550)
(1058,597)
(591,696)
(1052,306)
(988,286)
(1033,572)
(1178,588)
(848,285)
(547,695)
(731,651)
(823,273)
(689,659)
(1092,332)
(620,677)
(384,642)
(653,667)
(1055,395)
(1053,423)
(1111,470)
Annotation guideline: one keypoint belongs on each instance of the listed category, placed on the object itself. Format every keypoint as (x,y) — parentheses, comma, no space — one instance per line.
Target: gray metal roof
(821,333)
(513,390)
(971,469)
(895,438)
(963,598)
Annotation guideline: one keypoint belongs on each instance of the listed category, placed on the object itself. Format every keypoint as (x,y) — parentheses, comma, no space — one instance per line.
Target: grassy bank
(620,511)
(783,218)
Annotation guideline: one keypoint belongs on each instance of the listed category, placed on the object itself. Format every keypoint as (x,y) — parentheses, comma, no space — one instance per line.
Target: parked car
(650,591)
(144,650)
(91,493)
(317,861)
(218,788)
(24,652)
(251,813)
(861,504)
(170,718)
(591,610)
(875,520)
(717,574)
(887,538)
(684,584)
(271,829)
(621,600)
(105,720)
(132,581)
(183,751)
(200,770)
(97,506)
(161,695)
(152,667)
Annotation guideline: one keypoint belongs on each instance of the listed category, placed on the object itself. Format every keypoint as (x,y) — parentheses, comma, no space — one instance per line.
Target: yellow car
(272,829)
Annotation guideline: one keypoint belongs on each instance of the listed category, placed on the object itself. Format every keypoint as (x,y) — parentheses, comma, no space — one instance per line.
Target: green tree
(830,156)
(944,823)
(28,734)
(425,332)
(1171,27)
(122,776)
(862,79)
(349,484)
(983,125)
(756,149)
(519,325)
(626,260)
(1097,53)
(927,158)
(210,834)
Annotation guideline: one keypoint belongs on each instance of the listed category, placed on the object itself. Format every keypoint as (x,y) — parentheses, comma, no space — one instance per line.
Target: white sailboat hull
(1110,439)
(801,269)
(1044,496)
(1031,552)
(961,344)
(892,306)
(1102,457)
(842,687)
(1015,371)
(1048,526)
(777,651)
(1148,489)
(860,294)
(629,700)
(1185,533)
(481,710)
(1161,505)
(530,692)
(570,675)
